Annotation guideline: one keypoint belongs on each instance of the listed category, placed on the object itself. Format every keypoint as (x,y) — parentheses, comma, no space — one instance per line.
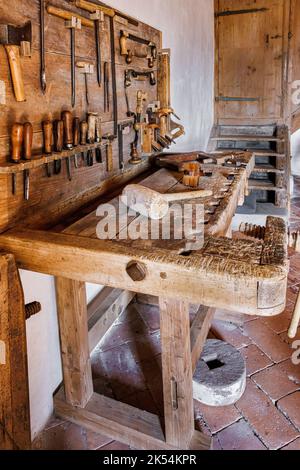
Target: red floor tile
(239,436)
(290,407)
(280,323)
(267,340)
(290,341)
(217,418)
(255,359)
(268,423)
(295,445)
(230,333)
(279,380)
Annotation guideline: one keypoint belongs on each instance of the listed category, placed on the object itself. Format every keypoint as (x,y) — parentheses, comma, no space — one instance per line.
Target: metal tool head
(14,35)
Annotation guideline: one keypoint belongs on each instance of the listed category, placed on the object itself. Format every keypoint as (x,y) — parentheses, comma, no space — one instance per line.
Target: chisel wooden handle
(13,53)
(48,136)
(27,142)
(91,128)
(66,117)
(17,134)
(68,15)
(76,131)
(109,157)
(58,135)
(83,132)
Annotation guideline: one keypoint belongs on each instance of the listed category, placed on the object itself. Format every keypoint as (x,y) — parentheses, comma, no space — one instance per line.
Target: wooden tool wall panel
(57,193)
(251,59)
(295,65)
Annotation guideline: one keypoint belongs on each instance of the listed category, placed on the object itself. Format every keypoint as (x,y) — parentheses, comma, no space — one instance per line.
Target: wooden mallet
(155,205)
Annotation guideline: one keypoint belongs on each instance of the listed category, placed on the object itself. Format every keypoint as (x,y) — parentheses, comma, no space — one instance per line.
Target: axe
(13,37)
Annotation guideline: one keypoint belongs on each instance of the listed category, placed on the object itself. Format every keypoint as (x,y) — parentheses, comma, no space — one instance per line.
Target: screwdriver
(48,138)
(27,154)
(58,128)
(17,135)
(66,117)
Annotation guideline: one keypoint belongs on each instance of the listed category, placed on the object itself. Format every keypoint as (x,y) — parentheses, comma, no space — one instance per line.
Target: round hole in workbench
(136,271)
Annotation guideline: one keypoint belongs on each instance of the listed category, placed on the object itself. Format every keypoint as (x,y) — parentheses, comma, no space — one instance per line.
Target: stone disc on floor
(220,376)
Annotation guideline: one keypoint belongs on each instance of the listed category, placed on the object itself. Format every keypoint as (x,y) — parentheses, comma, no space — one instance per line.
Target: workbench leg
(177,372)
(72,317)
(14,389)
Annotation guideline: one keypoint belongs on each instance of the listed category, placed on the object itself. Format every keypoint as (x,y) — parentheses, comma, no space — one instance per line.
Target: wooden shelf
(268,153)
(248,138)
(267,169)
(40,160)
(263,185)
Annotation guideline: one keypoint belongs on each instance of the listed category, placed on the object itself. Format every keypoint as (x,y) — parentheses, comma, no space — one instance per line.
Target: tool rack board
(53,198)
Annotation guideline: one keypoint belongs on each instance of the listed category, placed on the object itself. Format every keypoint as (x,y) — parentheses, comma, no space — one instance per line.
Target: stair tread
(266,169)
(263,185)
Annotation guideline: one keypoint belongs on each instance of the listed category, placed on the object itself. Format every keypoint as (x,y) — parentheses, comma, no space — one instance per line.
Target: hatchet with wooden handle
(155,205)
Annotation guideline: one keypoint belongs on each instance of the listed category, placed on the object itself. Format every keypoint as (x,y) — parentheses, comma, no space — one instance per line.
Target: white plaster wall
(187,27)
(295,150)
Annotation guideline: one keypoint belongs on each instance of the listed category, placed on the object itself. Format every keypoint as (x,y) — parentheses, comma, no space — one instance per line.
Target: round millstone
(220,376)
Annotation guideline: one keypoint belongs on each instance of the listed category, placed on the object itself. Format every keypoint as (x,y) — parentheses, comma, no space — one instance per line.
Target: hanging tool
(109,152)
(114,75)
(98,17)
(42,47)
(107,11)
(48,139)
(98,139)
(91,137)
(86,69)
(17,134)
(76,138)
(14,37)
(83,138)
(121,131)
(27,154)
(73,22)
(66,117)
(125,36)
(140,100)
(106,87)
(58,132)
(128,75)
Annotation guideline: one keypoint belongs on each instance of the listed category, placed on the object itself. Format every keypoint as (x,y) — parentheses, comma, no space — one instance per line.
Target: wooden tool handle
(83,132)
(295,319)
(109,157)
(17,141)
(123,43)
(164,82)
(28,138)
(91,128)
(58,135)
(13,53)
(68,15)
(76,131)
(92,8)
(188,195)
(98,129)
(67,119)
(48,136)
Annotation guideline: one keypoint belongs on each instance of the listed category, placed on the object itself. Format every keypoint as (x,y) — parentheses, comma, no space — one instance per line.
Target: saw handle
(13,54)
(28,138)
(17,135)
(187,195)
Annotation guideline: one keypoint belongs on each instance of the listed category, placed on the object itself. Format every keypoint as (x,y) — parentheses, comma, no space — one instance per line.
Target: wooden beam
(199,331)
(104,310)
(105,263)
(72,317)
(14,389)
(177,372)
(122,422)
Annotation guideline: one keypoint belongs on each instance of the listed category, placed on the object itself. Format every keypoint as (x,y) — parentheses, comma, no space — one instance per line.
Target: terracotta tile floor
(126,366)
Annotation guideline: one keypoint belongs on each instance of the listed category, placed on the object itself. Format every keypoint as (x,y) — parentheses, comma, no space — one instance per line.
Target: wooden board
(56,196)
(14,391)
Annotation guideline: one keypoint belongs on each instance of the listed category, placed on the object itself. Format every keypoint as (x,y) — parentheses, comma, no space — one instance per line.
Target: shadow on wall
(295,150)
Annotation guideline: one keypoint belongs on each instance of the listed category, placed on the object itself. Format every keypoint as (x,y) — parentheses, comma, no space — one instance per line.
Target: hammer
(155,205)
(13,37)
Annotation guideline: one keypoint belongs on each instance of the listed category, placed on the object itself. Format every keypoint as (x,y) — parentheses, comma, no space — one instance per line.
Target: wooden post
(14,390)
(177,372)
(72,317)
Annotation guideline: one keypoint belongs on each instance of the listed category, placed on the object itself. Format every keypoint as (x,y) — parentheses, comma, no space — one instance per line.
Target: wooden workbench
(243,275)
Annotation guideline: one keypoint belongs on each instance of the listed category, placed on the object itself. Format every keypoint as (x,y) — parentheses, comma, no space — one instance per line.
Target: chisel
(27,154)
(83,138)
(76,138)
(58,129)
(48,138)
(17,135)
(42,47)
(66,117)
